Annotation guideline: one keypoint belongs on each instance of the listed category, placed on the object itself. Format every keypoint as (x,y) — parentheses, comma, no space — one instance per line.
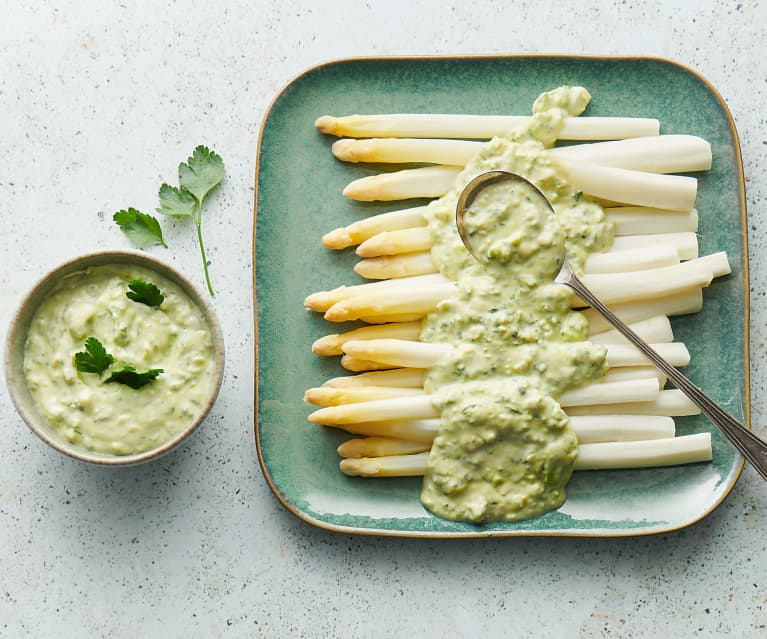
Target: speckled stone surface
(99,102)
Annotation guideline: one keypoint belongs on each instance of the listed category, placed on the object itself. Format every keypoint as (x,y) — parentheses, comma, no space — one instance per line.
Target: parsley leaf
(175,201)
(94,359)
(129,376)
(139,227)
(145,293)
(198,176)
(201,173)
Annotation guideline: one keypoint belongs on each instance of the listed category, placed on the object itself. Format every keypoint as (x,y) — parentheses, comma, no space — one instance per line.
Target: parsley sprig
(139,227)
(198,177)
(129,376)
(95,359)
(145,293)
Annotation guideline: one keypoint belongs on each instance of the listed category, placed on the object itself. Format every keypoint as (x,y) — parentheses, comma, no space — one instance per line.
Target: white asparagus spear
(413,377)
(428,181)
(624,428)
(588,428)
(642,220)
(323,300)
(420,407)
(396,242)
(624,261)
(406,377)
(682,303)
(675,192)
(642,390)
(480,127)
(363,229)
(613,288)
(389,302)
(717,263)
(420,430)
(672,402)
(655,154)
(628,220)
(396,266)
(334,396)
(383,409)
(606,428)
(655,329)
(387,318)
(686,449)
(392,466)
(380,447)
(402,353)
(397,352)
(333,344)
(689,301)
(618,355)
(419,239)
(359,365)
(406,150)
(634,372)
(685,243)
(386,298)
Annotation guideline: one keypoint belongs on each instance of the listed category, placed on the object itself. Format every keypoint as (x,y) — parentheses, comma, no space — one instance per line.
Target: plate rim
(365,531)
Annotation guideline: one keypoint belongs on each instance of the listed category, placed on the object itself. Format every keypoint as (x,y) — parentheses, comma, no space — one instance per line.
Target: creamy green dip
(114,418)
(505,450)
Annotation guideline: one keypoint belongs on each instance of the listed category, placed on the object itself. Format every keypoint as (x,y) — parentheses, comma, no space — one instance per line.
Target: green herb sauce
(114,418)
(505,450)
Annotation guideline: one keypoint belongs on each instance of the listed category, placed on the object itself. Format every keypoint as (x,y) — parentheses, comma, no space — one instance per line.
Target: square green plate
(298,198)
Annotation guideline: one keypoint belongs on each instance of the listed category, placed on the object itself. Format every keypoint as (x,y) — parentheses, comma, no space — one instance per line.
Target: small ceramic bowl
(17,337)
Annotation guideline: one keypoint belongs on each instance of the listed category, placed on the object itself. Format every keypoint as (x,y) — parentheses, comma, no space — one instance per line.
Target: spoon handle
(752,448)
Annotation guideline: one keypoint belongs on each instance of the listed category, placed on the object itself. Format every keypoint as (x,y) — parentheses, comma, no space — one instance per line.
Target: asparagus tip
(344,150)
(321,300)
(327,345)
(318,416)
(338,312)
(314,396)
(337,239)
(361,190)
(325,124)
(363,268)
(355,467)
(350,449)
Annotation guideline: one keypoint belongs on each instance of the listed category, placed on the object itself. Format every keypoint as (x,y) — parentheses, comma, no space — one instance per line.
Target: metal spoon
(751,447)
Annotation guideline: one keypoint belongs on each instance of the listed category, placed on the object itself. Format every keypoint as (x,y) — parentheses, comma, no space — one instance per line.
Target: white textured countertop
(98,104)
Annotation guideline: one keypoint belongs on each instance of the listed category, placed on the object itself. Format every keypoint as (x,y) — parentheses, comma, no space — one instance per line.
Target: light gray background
(98,104)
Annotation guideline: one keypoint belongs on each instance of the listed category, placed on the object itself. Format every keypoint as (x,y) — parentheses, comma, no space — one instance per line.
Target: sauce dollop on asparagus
(505,450)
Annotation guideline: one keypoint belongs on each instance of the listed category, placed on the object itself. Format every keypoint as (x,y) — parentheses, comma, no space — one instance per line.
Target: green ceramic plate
(299,197)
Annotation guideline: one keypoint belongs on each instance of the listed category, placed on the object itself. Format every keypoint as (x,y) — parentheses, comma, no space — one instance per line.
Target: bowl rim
(17,333)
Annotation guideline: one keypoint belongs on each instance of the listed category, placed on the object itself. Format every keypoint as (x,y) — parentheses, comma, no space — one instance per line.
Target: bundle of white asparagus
(653,271)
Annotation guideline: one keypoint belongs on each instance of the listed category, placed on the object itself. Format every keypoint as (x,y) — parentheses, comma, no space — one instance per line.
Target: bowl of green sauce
(114,358)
